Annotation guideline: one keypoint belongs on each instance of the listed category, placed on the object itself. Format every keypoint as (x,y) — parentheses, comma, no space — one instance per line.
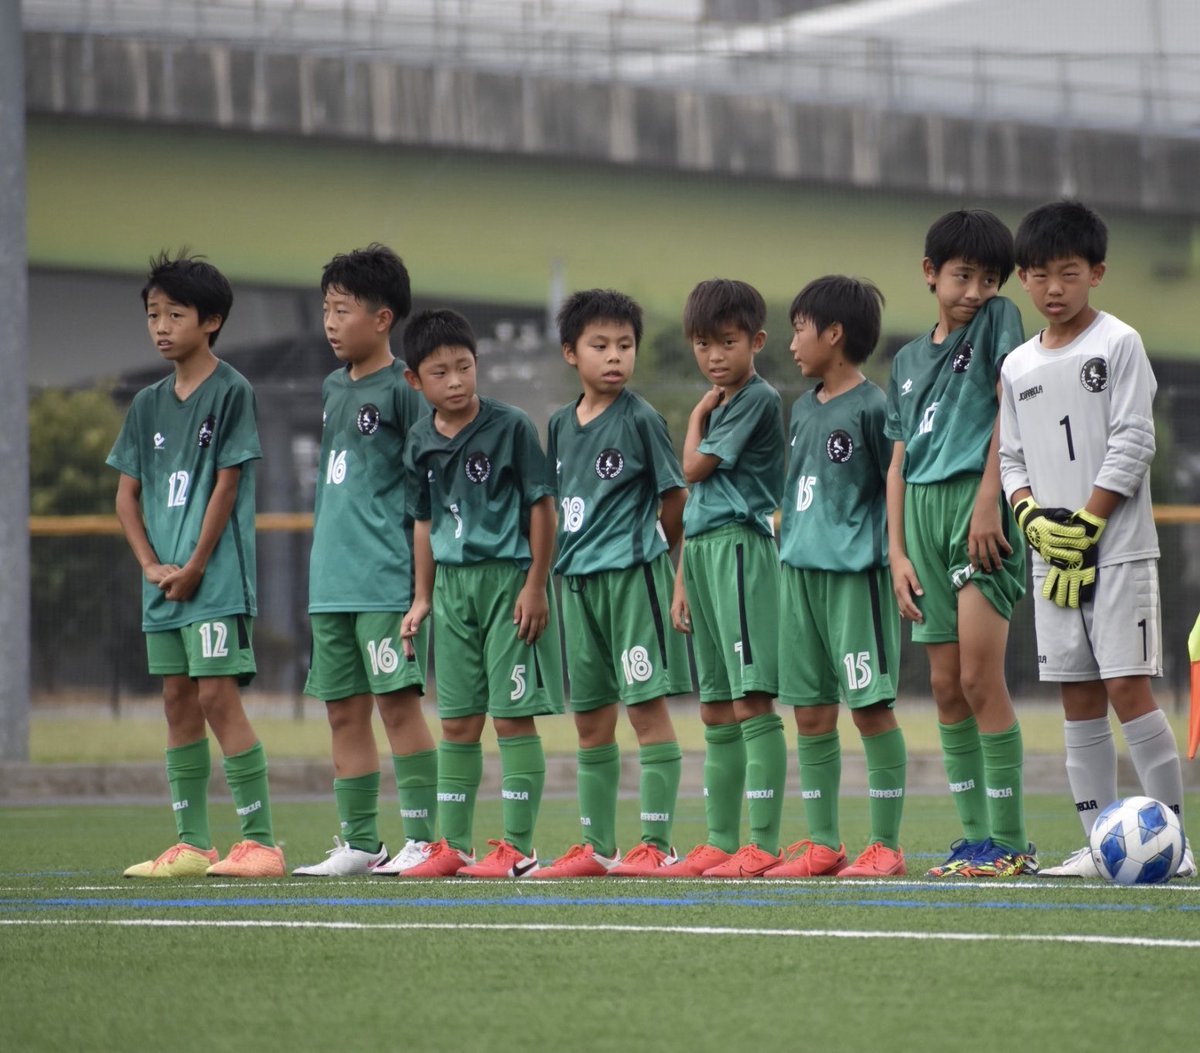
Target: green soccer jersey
(175,448)
(362,535)
(747,434)
(477,488)
(611,473)
(942,400)
(835,497)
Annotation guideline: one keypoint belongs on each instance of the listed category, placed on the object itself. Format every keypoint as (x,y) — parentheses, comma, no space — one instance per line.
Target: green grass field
(93,962)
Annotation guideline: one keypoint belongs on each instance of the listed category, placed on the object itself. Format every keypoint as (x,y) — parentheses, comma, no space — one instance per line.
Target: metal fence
(1152,84)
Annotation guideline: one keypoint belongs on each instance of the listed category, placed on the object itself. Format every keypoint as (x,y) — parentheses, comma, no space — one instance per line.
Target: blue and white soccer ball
(1137,841)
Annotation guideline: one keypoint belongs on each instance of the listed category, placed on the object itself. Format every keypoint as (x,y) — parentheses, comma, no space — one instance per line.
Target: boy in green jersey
(727,586)
(621,499)
(833,544)
(483,501)
(360,570)
(957,561)
(185,500)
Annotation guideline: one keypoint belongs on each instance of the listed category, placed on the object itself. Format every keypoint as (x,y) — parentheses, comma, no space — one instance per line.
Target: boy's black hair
(374,276)
(1060,229)
(722,302)
(974,235)
(191,281)
(428,330)
(854,302)
(597,305)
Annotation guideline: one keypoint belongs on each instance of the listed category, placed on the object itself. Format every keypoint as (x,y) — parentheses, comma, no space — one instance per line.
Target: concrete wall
(306,93)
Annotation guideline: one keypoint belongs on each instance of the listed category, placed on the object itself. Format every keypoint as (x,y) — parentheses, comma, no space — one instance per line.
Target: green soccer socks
(662,764)
(357,800)
(598,777)
(887,768)
(724,784)
(962,756)
(188,770)
(246,774)
(460,771)
(820,783)
(523,776)
(416,787)
(766,773)
(1003,760)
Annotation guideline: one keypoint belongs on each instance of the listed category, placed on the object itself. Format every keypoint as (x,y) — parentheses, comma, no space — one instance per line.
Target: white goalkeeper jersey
(1081,416)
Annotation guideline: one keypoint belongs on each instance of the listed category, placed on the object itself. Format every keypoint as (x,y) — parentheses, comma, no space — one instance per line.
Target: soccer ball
(1137,841)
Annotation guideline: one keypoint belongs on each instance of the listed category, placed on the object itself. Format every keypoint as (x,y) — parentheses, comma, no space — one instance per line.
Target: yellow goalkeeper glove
(1093,526)
(1072,581)
(1050,531)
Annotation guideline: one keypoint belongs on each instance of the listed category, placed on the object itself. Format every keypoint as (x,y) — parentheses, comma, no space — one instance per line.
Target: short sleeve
(874,424)
(416,481)
(125,455)
(735,424)
(893,428)
(1007,332)
(535,480)
(237,434)
(664,465)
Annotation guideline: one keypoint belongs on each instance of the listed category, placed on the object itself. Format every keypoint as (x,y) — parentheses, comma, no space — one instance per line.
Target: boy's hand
(1072,582)
(986,544)
(155,572)
(709,401)
(1049,530)
(410,624)
(531,614)
(181,583)
(681,615)
(907,588)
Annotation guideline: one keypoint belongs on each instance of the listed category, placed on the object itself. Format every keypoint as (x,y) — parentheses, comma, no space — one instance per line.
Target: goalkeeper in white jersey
(1076,444)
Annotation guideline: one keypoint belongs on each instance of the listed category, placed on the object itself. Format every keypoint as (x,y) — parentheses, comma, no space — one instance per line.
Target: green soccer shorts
(217,647)
(839,637)
(481,665)
(732,579)
(937,517)
(363,654)
(619,641)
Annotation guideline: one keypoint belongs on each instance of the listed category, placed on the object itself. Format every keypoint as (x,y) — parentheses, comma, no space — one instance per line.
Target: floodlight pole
(14,378)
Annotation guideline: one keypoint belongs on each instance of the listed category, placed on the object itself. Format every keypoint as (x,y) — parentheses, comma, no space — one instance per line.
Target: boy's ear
(759,341)
(835,334)
(929,270)
(1098,272)
(414,381)
(569,353)
(383,320)
(214,322)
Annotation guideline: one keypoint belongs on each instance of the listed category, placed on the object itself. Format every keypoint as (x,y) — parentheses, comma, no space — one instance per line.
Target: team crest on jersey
(478,467)
(839,446)
(1094,375)
(962,358)
(610,463)
(368,418)
(204,436)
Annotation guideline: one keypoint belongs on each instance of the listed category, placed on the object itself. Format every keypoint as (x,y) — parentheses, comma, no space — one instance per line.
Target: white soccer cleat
(344,861)
(1078,864)
(414,853)
(1187,865)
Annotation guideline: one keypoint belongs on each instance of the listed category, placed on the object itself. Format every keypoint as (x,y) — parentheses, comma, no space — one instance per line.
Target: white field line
(384,886)
(657,930)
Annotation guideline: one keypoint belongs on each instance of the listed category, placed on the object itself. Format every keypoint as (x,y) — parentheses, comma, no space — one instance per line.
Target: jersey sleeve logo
(478,467)
(962,358)
(610,463)
(839,446)
(1094,375)
(368,418)
(204,436)
(160,441)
